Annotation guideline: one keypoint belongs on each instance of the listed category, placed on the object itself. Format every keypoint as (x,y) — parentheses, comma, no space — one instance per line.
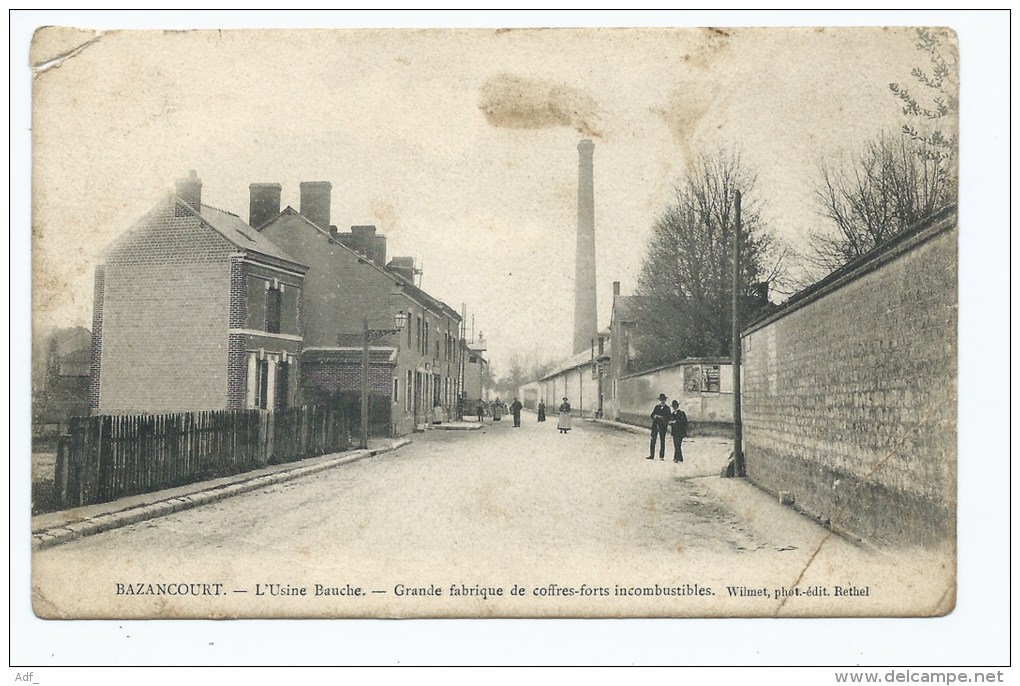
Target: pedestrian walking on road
(678,425)
(480,411)
(660,420)
(515,410)
(564,422)
(541,410)
(497,410)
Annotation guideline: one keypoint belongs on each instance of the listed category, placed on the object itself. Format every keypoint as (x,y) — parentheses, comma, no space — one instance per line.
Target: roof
(627,308)
(415,291)
(405,284)
(685,362)
(477,354)
(238,232)
(581,359)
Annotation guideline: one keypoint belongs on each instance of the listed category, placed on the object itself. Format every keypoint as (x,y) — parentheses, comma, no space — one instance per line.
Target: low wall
(849,393)
(710,412)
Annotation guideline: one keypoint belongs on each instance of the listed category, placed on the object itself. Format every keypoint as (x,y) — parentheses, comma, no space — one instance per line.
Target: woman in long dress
(541,410)
(564,422)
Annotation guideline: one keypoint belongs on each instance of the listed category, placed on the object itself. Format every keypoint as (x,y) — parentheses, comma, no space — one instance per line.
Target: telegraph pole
(364,384)
(738,437)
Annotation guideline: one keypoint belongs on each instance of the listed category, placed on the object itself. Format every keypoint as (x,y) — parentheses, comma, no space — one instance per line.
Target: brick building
(849,392)
(194,310)
(417,370)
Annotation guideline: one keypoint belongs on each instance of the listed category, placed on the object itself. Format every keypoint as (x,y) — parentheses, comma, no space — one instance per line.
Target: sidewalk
(466,425)
(54,528)
(629,428)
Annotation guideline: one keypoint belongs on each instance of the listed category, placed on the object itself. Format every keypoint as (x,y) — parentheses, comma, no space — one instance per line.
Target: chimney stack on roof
(189,189)
(315,198)
(404,266)
(616,288)
(364,240)
(264,204)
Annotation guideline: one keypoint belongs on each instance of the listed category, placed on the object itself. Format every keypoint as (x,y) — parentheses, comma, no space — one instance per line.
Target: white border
(977,633)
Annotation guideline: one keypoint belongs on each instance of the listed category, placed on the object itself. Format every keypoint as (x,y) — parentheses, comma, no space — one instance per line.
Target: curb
(457,427)
(619,426)
(56,535)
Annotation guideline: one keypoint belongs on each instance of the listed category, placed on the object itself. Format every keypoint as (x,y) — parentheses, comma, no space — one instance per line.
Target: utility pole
(364,384)
(738,438)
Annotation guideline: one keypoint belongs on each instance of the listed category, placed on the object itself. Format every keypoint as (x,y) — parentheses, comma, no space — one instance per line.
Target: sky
(460,146)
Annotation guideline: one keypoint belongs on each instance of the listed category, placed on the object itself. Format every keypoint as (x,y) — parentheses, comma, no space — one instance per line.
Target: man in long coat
(678,425)
(515,410)
(660,420)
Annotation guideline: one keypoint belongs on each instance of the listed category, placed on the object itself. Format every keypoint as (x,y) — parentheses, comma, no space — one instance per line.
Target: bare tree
(898,179)
(509,384)
(872,196)
(685,283)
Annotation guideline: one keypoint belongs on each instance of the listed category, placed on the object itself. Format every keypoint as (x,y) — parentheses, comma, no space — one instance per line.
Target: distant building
(703,386)
(194,310)
(417,371)
(580,378)
(475,375)
(60,378)
(623,327)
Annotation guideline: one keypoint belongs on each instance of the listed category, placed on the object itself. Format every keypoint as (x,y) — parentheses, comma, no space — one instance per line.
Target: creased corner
(54,45)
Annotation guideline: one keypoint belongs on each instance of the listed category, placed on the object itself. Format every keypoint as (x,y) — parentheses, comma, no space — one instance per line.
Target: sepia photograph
(603,322)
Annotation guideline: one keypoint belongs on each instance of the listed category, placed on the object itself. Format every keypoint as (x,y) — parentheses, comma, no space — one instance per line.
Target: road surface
(473,511)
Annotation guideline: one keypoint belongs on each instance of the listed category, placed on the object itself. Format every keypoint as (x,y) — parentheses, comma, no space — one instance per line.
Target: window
(261,383)
(409,329)
(408,387)
(396,391)
(421,330)
(282,386)
(425,342)
(273,309)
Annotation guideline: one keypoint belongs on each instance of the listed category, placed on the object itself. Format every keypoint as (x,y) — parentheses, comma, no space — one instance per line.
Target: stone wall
(849,393)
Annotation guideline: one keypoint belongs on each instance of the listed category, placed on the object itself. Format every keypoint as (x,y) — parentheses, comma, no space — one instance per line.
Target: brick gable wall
(164,319)
(95,364)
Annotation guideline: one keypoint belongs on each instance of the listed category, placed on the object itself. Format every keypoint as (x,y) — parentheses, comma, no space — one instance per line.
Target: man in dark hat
(515,410)
(661,415)
(678,423)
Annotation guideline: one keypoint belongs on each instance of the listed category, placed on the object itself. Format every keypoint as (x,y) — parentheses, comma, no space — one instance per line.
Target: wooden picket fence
(105,457)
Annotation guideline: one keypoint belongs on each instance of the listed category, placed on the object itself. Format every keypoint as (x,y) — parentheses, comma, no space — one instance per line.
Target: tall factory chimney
(585,306)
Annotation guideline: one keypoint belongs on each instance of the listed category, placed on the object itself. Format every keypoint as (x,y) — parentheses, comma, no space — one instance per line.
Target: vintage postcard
(494,323)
